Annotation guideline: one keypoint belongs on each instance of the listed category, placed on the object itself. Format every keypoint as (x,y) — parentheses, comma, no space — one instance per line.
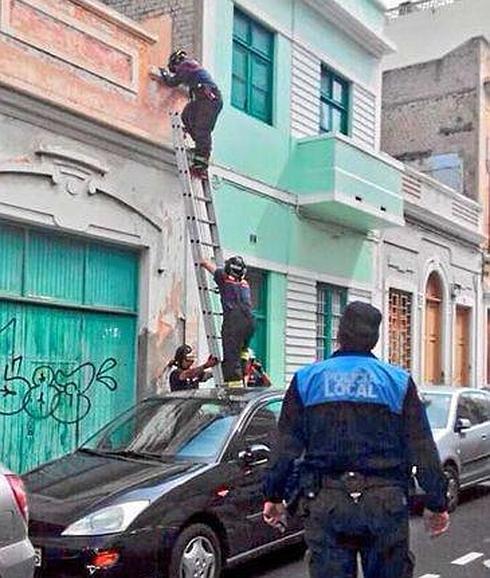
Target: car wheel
(452,487)
(196,554)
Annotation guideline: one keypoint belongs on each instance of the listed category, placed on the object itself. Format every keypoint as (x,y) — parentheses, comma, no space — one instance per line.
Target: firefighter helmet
(183,353)
(175,59)
(235,266)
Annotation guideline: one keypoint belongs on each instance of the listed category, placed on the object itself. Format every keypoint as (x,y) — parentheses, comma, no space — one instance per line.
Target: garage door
(67,342)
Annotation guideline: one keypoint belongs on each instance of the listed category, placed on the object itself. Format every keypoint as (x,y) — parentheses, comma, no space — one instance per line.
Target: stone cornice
(377,44)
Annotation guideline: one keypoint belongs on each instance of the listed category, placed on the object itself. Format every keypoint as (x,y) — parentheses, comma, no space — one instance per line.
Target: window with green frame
(334,102)
(258,287)
(253,63)
(331,302)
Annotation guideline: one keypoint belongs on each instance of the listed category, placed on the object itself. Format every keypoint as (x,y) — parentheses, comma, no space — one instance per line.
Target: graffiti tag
(48,391)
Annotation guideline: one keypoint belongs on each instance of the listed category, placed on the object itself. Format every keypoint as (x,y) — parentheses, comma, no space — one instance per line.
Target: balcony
(338,181)
(431,202)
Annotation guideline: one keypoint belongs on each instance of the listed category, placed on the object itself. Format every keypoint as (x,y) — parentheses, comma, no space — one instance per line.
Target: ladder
(204,240)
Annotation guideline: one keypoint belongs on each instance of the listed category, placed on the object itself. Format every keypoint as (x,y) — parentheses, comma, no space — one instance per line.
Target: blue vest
(353,378)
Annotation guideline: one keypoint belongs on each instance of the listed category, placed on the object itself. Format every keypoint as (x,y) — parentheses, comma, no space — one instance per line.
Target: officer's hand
(273,514)
(436,523)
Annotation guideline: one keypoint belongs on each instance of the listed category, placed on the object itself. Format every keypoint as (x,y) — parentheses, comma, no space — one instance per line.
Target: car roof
(236,394)
(448,389)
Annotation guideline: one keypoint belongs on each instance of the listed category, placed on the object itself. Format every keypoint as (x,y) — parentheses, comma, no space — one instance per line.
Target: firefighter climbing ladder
(204,239)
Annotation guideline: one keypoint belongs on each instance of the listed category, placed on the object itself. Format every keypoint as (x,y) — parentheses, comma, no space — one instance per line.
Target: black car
(171,488)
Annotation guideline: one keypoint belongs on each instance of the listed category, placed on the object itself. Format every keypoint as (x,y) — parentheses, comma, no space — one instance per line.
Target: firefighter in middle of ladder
(201,113)
(238,320)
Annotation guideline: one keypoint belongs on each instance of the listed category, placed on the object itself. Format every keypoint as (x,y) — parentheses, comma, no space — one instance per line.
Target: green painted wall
(253,147)
(286,239)
(265,152)
(243,142)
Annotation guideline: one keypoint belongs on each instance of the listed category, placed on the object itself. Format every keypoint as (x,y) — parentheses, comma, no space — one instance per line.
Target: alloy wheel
(198,559)
(452,489)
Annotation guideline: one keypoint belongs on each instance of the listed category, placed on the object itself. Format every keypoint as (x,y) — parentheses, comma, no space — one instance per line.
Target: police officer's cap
(359,326)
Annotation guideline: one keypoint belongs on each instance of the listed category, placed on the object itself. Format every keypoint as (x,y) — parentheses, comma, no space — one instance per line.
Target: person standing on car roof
(185,376)
(360,426)
(238,320)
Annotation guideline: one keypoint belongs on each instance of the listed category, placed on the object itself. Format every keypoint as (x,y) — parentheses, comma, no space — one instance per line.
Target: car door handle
(483,436)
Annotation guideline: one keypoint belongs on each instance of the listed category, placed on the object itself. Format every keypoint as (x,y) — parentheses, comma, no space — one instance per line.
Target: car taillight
(19,493)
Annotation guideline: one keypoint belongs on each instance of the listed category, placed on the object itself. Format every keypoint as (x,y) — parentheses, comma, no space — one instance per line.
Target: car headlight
(109,520)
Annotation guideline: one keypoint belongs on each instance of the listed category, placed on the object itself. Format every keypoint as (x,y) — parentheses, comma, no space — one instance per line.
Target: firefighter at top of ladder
(238,320)
(201,112)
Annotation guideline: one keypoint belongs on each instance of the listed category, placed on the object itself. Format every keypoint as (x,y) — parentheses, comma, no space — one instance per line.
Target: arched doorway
(433,330)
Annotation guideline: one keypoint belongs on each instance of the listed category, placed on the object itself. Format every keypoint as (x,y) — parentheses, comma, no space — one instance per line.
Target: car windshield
(169,428)
(437,406)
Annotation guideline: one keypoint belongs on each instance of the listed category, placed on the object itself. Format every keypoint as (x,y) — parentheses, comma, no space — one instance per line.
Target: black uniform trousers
(236,332)
(337,529)
(199,117)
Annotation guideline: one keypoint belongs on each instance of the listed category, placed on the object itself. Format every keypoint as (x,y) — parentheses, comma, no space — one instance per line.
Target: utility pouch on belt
(310,483)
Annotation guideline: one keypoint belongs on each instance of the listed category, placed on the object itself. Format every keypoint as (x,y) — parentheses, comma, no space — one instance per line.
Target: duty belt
(354,483)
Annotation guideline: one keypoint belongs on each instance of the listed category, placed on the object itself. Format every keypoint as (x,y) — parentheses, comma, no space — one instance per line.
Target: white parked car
(16,551)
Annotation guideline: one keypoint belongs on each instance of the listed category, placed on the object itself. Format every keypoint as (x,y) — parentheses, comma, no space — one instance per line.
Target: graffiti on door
(49,390)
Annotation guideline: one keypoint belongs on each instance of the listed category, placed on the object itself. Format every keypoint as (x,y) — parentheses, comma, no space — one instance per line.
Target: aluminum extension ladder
(204,240)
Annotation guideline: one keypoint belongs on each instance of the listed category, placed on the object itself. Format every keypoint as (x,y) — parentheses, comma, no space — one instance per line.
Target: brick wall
(433,108)
(185,14)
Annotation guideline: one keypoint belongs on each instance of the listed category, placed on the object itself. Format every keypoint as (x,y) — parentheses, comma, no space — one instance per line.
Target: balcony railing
(405,8)
(429,200)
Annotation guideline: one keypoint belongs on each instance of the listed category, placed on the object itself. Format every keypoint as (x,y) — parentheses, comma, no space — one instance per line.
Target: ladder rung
(203,234)
(205,243)
(210,289)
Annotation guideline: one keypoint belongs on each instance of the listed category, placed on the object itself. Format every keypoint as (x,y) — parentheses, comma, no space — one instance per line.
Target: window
(258,286)
(468,409)
(400,323)
(253,54)
(331,301)
(262,428)
(447,168)
(334,103)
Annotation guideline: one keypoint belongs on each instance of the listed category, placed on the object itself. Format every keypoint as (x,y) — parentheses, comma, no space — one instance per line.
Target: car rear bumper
(17,560)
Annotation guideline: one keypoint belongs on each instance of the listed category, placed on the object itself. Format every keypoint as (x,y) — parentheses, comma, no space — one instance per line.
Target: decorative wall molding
(36,24)
(74,175)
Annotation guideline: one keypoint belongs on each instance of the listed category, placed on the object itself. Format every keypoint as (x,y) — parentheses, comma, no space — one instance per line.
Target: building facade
(435,121)
(92,298)
(298,178)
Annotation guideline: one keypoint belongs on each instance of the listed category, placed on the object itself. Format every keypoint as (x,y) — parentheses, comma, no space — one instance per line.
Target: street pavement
(464,552)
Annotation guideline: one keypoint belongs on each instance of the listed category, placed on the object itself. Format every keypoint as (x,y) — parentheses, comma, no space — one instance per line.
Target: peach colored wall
(83,56)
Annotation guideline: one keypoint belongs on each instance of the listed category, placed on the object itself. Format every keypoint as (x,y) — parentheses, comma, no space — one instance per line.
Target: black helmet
(235,266)
(182,352)
(176,58)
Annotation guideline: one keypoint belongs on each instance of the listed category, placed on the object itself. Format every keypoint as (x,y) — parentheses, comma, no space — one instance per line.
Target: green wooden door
(258,285)
(67,342)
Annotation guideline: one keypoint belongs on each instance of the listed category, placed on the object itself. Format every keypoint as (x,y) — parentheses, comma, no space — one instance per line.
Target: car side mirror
(462,423)
(255,455)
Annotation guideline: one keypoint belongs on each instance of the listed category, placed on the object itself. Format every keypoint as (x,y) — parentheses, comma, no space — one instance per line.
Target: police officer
(360,426)
(238,320)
